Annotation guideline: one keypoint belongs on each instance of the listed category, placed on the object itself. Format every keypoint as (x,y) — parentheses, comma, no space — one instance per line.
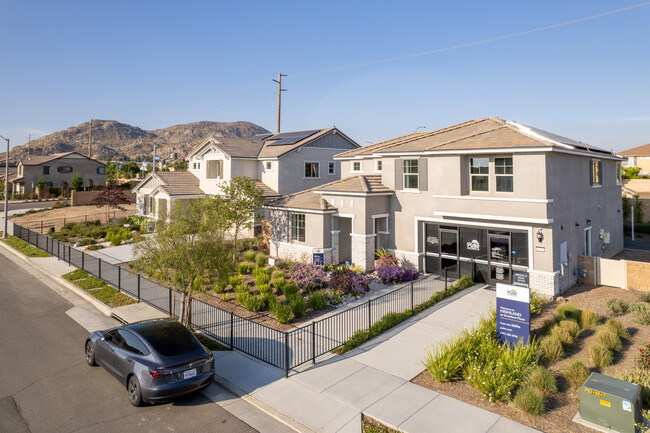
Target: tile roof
(637,151)
(306,199)
(356,184)
(267,191)
(178,183)
(41,159)
(488,133)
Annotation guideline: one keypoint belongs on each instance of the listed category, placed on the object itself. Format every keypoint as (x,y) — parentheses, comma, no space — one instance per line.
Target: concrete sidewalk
(373,379)
(115,255)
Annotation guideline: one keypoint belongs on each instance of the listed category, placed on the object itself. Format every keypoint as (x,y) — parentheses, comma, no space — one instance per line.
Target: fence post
(83,261)
(170,300)
(100,269)
(63,220)
(313,342)
(138,287)
(69,259)
(119,279)
(446,269)
(232,329)
(286,354)
(369,314)
(412,296)
(41,226)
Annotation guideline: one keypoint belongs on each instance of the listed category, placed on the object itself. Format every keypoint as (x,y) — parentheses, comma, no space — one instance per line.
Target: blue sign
(513,313)
(318,259)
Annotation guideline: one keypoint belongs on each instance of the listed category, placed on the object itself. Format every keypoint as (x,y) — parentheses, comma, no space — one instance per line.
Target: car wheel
(135,393)
(90,353)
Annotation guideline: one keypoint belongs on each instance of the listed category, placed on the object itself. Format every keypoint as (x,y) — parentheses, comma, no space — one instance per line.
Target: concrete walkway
(115,255)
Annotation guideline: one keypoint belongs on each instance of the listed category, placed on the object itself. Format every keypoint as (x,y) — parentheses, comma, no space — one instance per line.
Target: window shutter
(399,174)
(424,174)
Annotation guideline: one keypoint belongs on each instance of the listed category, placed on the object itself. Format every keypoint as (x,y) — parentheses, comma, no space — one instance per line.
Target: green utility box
(611,403)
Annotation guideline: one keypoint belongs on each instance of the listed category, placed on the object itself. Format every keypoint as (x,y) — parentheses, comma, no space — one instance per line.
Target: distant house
(280,164)
(12,169)
(638,157)
(54,169)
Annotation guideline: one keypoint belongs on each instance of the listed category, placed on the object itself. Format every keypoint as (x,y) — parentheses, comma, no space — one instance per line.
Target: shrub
(609,339)
(551,348)
(116,236)
(235,280)
(616,326)
(535,303)
(242,296)
(261,260)
(542,380)
(576,374)
(249,255)
(261,277)
(600,355)
(273,303)
(643,360)
(644,297)
(640,377)
(641,313)
(588,319)
(529,400)
(243,268)
(317,301)
(279,283)
(569,311)
(307,276)
(265,289)
(283,313)
(219,287)
(334,297)
(571,327)
(562,335)
(277,274)
(298,305)
(251,265)
(225,297)
(445,362)
(290,290)
(253,303)
(349,281)
(388,270)
(617,306)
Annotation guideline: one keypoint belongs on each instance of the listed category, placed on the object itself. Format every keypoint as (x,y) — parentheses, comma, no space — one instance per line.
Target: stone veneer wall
(546,284)
(410,259)
(297,252)
(335,246)
(363,253)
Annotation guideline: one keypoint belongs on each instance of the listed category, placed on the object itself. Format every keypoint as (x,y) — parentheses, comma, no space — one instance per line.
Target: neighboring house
(54,169)
(638,157)
(487,197)
(280,164)
(158,193)
(3,168)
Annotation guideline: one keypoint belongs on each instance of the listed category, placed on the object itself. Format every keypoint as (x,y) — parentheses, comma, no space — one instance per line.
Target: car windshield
(169,338)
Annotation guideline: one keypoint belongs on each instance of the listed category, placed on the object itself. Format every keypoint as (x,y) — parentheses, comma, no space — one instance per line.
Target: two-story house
(280,164)
(484,197)
(56,168)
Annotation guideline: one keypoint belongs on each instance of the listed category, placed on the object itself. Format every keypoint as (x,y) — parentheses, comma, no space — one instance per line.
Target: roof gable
(637,151)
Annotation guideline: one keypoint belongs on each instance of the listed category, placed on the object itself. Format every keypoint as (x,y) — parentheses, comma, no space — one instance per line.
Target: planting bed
(562,406)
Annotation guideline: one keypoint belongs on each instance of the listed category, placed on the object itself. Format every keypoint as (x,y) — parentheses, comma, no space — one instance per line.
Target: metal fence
(282,349)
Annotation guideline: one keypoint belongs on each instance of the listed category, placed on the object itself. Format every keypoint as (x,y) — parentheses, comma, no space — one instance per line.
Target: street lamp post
(4,233)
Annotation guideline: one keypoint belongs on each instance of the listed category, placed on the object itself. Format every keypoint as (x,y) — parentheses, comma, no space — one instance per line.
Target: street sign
(513,313)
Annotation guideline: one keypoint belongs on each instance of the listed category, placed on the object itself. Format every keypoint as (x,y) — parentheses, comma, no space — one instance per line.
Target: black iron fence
(282,349)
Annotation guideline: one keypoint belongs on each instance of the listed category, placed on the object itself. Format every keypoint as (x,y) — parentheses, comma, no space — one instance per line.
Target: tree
(130,169)
(111,173)
(64,188)
(180,165)
(241,200)
(40,186)
(76,183)
(187,252)
(112,197)
(631,173)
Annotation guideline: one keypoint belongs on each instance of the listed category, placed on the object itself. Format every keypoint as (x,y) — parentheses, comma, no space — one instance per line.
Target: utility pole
(4,233)
(154,157)
(90,140)
(280,90)
(29,146)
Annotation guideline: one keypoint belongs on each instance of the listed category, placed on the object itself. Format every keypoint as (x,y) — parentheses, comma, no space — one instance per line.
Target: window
(596,167)
(312,169)
(268,165)
(356,166)
(410,173)
(101,170)
(150,203)
(331,168)
(503,171)
(46,169)
(298,227)
(619,173)
(215,169)
(196,165)
(587,245)
(479,169)
(64,169)
(378,165)
(132,343)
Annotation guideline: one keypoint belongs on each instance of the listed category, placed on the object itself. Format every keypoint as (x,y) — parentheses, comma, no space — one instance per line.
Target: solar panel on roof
(291,137)
(258,137)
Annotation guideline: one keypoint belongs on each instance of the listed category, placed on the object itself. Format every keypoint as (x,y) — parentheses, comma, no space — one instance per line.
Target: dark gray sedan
(155,360)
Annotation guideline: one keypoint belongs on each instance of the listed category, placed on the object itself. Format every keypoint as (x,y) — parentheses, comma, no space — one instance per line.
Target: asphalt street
(46,385)
(28,205)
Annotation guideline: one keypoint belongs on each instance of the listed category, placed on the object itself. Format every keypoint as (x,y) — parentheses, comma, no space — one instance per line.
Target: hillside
(112,138)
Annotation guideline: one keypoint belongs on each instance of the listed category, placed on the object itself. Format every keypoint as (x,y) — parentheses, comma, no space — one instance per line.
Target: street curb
(103,308)
(254,401)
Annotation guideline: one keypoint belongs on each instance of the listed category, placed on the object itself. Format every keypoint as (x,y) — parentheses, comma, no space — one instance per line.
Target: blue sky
(158,63)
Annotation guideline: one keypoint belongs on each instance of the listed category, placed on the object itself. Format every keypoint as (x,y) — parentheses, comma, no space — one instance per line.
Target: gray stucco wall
(86,168)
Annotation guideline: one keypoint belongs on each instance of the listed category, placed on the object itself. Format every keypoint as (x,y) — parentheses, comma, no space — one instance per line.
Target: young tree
(188,252)
(240,202)
(111,173)
(64,188)
(130,170)
(40,187)
(76,183)
(112,197)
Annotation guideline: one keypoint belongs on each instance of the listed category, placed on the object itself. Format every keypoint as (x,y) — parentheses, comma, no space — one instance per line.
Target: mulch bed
(562,407)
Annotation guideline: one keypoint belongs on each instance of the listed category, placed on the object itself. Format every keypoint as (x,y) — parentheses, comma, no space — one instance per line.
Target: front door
(449,251)
(499,259)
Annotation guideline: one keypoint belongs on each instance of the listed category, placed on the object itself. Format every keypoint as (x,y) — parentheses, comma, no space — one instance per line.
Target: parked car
(156,360)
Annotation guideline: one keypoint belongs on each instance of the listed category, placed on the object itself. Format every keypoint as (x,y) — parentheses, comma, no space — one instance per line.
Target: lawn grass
(98,289)
(25,248)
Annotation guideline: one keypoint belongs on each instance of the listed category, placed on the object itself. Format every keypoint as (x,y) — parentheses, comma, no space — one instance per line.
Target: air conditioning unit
(611,403)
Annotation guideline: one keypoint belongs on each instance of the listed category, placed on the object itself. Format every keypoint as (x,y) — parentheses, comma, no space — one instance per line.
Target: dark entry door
(449,250)
(499,259)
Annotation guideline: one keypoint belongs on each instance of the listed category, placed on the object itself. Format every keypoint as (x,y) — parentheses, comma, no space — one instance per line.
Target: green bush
(576,374)
(219,287)
(298,305)
(529,400)
(562,335)
(251,265)
(551,348)
(249,255)
(235,280)
(609,339)
(261,260)
(600,355)
(261,277)
(243,268)
(77,274)
(617,306)
(289,290)
(277,274)
(117,236)
(279,284)
(640,313)
(283,313)
(644,297)
(535,304)
(253,303)
(242,296)
(317,301)
(265,289)
(569,311)
(445,362)
(588,319)
(542,380)
(640,377)
(572,327)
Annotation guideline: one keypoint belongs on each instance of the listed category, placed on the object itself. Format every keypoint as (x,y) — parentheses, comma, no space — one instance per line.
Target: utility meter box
(611,403)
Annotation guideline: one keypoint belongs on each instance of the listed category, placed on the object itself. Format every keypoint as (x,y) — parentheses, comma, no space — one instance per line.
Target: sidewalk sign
(318,259)
(513,313)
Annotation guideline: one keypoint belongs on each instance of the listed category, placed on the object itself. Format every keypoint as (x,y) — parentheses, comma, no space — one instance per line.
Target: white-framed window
(331,168)
(268,166)
(411,173)
(356,166)
(503,172)
(214,169)
(379,165)
(479,170)
(298,227)
(150,205)
(619,173)
(587,244)
(312,170)
(196,166)
(595,172)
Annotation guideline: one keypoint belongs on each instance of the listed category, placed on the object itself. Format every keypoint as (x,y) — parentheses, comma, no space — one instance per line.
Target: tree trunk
(234,247)
(181,315)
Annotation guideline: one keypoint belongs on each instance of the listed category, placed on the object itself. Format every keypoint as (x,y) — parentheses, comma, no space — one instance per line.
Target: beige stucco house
(280,164)
(485,197)
(638,157)
(56,168)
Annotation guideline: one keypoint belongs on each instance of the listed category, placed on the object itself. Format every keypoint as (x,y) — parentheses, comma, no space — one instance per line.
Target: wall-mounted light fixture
(540,235)
(588,222)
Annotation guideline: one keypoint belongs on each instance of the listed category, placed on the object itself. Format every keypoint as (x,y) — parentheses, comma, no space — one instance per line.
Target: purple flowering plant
(389,271)
(307,276)
(349,281)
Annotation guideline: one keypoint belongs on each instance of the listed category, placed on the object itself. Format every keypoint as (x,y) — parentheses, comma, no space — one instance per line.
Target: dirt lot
(635,255)
(562,407)
(57,218)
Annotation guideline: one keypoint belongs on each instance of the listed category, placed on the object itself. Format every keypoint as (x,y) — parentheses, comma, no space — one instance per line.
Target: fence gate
(612,273)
